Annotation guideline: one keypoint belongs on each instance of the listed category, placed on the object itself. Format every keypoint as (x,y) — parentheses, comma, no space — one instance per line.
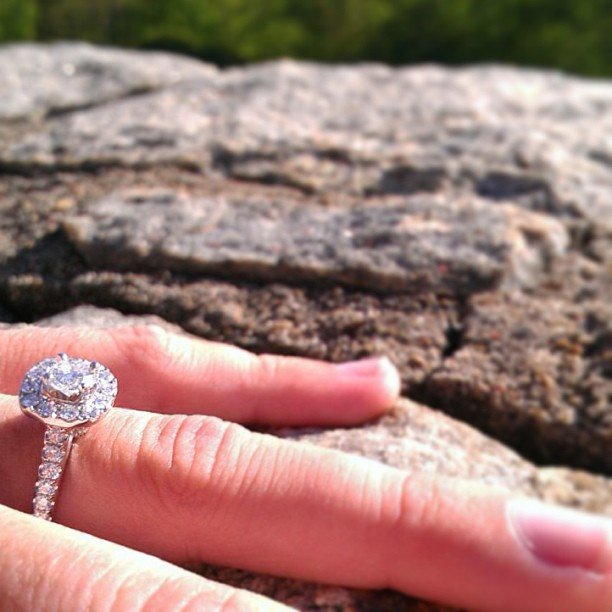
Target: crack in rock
(415,245)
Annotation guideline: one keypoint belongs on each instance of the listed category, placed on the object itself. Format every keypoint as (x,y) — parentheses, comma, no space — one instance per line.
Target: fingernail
(376,368)
(370,366)
(561,537)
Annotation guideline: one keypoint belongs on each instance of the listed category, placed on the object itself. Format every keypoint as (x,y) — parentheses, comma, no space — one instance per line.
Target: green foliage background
(574,35)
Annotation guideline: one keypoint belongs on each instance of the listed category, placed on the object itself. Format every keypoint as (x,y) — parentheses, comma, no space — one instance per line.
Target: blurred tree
(226,32)
(101,21)
(18,19)
(573,35)
(343,30)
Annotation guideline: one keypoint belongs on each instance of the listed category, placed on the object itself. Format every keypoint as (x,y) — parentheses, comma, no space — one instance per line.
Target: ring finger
(167,372)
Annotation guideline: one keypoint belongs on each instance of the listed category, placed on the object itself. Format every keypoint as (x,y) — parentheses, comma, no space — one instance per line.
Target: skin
(174,475)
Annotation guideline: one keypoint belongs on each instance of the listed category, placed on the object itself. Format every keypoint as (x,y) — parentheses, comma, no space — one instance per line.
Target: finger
(163,371)
(49,567)
(198,488)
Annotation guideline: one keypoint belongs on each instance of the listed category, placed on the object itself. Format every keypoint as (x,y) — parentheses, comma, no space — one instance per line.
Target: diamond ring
(68,395)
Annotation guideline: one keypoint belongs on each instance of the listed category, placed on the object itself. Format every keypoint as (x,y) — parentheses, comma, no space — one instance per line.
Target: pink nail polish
(561,537)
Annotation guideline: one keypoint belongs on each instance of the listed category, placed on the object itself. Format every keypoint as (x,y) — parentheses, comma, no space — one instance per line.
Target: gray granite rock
(526,365)
(41,80)
(103,318)
(504,133)
(413,245)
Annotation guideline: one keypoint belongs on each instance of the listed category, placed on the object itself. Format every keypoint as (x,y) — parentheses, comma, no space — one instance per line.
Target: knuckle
(186,459)
(144,349)
(410,505)
(141,344)
(259,372)
(420,502)
(266,368)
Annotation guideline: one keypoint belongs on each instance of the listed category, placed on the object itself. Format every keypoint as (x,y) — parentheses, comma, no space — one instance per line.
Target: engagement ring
(68,395)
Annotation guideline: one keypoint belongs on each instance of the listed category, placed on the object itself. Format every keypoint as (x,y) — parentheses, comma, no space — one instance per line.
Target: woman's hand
(178,482)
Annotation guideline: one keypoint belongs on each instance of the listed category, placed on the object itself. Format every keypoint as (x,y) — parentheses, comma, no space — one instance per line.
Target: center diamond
(68,380)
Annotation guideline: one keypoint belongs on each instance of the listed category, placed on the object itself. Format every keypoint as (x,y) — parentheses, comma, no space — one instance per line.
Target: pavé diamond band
(68,395)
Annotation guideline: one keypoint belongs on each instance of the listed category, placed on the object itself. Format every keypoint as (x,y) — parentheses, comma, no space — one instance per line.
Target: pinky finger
(45,566)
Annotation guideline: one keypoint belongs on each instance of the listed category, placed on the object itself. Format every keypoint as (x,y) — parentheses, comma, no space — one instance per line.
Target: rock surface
(505,133)
(459,221)
(38,81)
(414,245)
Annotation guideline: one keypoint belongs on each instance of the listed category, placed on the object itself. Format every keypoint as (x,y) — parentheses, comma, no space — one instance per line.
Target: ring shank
(55,452)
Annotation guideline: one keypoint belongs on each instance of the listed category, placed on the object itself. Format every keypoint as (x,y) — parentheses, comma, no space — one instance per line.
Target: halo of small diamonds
(67,391)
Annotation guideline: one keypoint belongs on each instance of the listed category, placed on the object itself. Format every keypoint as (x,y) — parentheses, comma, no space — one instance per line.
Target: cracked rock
(536,373)
(417,244)
(509,134)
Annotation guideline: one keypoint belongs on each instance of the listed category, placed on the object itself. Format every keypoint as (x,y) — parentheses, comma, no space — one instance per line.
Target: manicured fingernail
(375,368)
(371,366)
(562,537)
(362,367)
